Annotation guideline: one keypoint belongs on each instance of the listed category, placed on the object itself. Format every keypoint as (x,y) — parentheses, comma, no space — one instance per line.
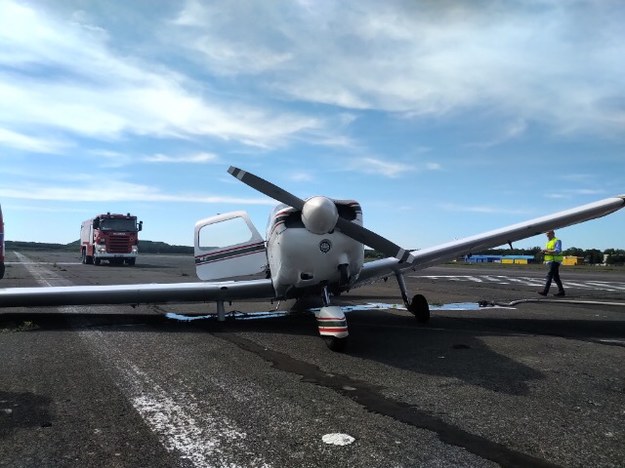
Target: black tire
(2,269)
(420,308)
(336,344)
(131,261)
(86,259)
(344,272)
(96,261)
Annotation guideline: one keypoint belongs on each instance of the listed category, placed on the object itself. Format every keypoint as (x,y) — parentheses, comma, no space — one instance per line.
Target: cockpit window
(224,234)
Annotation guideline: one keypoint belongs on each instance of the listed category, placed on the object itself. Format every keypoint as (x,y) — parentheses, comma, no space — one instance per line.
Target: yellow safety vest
(551,244)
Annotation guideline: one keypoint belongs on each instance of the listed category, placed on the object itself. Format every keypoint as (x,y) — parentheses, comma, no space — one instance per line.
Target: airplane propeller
(319,215)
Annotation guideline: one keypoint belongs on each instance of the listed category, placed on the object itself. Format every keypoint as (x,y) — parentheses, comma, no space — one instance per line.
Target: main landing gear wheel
(420,308)
(335,344)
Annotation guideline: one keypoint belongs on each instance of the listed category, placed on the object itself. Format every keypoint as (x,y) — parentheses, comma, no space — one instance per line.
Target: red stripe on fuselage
(229,253)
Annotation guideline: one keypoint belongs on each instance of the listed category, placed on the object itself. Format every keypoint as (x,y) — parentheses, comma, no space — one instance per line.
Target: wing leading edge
(134,294)
(431,256)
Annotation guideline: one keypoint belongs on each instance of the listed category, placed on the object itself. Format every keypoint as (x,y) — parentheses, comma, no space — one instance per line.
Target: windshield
(118,224)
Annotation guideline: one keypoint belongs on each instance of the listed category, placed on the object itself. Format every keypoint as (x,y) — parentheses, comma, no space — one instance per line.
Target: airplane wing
(441,253)
(133,294)
(263,288)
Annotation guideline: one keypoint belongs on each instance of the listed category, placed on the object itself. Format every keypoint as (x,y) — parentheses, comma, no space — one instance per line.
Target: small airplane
(313,247)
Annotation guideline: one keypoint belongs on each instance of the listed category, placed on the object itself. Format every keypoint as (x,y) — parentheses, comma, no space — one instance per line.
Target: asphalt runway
(541,383)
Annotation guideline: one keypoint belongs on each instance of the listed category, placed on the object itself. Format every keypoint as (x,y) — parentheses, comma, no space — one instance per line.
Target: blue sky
(442,118)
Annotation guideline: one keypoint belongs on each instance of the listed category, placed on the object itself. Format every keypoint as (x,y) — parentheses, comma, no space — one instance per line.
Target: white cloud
(574,193)
(506,133)
(541,61)
(68,76)
(198,158)
(376,166)
(390,169)
(301,177)
(487,209)
(117,191)
(24,142)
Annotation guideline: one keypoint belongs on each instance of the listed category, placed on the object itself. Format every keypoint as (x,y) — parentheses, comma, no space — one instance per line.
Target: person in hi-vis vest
(553,258)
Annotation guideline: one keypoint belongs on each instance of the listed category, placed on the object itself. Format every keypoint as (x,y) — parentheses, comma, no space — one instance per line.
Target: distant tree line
(163,248)
(590,256)
(144,247)
(19,245)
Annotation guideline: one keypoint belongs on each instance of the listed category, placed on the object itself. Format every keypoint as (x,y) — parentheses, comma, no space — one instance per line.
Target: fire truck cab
(110,237)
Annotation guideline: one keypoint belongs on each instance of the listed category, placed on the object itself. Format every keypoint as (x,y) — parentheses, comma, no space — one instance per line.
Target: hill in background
(145,246)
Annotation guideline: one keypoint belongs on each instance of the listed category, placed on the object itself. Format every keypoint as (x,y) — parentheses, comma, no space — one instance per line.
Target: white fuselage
(300,260)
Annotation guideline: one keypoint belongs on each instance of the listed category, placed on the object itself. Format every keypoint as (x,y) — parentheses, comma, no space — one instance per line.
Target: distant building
(483,258)
(570,260)
(506,259)
(518,259)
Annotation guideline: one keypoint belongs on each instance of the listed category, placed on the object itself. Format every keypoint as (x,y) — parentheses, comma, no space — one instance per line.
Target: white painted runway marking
(176,417)
(605,284)
(19,255)
(610,286)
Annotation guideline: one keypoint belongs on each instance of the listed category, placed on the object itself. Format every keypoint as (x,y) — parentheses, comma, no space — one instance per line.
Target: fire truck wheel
(86,259)
(97,261)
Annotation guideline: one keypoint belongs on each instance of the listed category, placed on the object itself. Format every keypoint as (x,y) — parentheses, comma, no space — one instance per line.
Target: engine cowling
(319,215)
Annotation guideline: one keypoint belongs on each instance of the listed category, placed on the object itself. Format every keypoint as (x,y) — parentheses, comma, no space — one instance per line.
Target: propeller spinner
(319,217)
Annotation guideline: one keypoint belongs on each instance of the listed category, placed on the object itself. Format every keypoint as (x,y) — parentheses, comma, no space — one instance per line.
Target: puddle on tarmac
(346,309)
(230,315)
(450,306)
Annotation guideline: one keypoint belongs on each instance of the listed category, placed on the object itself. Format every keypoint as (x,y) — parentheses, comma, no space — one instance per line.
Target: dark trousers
(553,274)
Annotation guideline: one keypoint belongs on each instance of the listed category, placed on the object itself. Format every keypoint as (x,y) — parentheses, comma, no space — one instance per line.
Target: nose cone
(319,215)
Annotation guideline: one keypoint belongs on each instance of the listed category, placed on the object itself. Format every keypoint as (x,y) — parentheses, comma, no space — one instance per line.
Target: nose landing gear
(332,324)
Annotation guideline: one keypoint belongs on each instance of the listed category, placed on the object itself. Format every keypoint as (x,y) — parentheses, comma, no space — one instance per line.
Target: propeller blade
(352,230)
(267,188)
(373,240)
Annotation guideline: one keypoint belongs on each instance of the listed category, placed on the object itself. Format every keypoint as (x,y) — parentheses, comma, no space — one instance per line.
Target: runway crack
(371,398)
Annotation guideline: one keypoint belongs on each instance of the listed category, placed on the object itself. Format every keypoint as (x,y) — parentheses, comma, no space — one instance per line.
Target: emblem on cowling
(325,245)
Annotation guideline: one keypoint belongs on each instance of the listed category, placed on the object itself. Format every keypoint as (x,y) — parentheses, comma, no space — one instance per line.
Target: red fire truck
(111,237)
(1,245)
